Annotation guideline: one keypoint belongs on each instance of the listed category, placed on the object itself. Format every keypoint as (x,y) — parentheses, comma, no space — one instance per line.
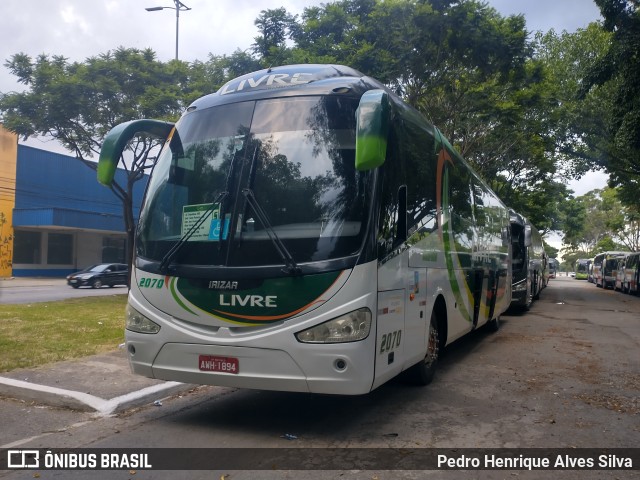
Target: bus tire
(528,300)
(422,373)
(536,295)
(493,325)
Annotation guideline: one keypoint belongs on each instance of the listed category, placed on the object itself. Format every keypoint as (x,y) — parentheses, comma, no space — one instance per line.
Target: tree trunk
(130,228)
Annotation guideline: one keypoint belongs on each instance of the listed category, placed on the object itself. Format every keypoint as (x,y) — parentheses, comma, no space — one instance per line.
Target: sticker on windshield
(200,215)
(205,218)
(214,232)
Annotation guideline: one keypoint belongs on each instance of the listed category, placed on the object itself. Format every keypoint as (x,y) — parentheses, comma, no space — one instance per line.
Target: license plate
(212,363)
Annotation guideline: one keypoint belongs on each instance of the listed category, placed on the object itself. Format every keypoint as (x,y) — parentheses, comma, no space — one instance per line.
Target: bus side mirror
(117,139)
(372,129)
(527,235)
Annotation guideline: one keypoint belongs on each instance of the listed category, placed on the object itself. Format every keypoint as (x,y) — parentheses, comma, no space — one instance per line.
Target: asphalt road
(564,374)
(49,290)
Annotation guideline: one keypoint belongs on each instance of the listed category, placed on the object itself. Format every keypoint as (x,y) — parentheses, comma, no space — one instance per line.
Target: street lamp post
(178,7)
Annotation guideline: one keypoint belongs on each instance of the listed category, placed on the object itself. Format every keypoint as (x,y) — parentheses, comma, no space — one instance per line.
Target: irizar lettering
(223,285)
(269,80)
(268,301)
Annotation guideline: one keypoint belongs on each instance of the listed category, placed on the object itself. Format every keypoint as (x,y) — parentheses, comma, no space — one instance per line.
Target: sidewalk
(17,282)
(100,383)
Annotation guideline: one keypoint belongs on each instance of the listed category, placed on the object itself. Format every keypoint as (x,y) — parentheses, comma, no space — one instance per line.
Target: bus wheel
(422,372)
(529,298)
(493,325)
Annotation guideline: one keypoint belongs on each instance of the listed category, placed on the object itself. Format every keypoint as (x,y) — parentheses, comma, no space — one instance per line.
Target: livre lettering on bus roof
(268,80)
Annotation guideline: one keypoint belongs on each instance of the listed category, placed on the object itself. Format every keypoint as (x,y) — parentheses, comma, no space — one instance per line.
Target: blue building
(63,219)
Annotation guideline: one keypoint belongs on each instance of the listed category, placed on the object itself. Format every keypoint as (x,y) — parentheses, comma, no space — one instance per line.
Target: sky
(78,29)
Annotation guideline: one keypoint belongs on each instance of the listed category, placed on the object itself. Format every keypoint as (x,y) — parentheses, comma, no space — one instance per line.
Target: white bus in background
(631,276)
(605,268)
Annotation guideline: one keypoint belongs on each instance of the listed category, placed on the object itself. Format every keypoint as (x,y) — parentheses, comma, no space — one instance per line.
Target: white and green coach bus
(305,230)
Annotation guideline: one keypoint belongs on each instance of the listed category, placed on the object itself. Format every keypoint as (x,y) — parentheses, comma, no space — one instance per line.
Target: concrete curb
(26,282)
(59,397)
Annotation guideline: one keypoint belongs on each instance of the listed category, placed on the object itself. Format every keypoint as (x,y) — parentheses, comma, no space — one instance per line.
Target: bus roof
(290,80)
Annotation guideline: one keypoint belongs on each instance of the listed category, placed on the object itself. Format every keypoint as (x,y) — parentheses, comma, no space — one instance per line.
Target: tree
(621,220)
(577,121)
(620,66)
(575,217)
(470,71)
(77,103)
(598,221)
(570,259)
(552,251)
(275,26)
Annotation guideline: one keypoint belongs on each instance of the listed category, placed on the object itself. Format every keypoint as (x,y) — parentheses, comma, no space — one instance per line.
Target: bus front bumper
(329,369)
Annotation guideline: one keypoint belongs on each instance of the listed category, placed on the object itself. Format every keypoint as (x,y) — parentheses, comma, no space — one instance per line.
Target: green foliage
(552,251)
(78,103)
(598,221)
(620,68)
(570,259)
(576,123)
(275,27)
(469,70)
(575,217)
(527,114)
(605,244)
(41,333)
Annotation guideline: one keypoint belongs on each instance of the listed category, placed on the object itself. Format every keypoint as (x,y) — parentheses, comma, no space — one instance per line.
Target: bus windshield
(232,177)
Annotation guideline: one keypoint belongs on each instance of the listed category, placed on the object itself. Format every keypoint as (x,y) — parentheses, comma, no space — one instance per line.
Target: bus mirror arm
(118,138)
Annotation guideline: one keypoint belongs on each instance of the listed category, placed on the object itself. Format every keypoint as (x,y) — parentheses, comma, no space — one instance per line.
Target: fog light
(340,364)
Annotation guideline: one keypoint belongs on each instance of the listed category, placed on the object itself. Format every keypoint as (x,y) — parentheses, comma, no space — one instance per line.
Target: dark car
(98,275)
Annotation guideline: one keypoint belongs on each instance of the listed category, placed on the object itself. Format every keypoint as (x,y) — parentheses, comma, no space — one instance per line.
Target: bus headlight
(352,327)
(136,322)
(520,287)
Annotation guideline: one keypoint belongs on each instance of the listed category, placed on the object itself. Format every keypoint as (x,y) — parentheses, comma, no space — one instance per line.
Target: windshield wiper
(173,251)
(291,266)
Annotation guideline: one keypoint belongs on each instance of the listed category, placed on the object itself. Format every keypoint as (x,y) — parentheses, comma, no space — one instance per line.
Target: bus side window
(392,182)
(401,230)
(417,146)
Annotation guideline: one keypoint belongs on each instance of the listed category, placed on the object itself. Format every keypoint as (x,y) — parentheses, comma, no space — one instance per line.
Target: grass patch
(41,333)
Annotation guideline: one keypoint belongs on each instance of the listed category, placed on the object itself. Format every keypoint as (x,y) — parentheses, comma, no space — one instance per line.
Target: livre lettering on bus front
(248,300)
